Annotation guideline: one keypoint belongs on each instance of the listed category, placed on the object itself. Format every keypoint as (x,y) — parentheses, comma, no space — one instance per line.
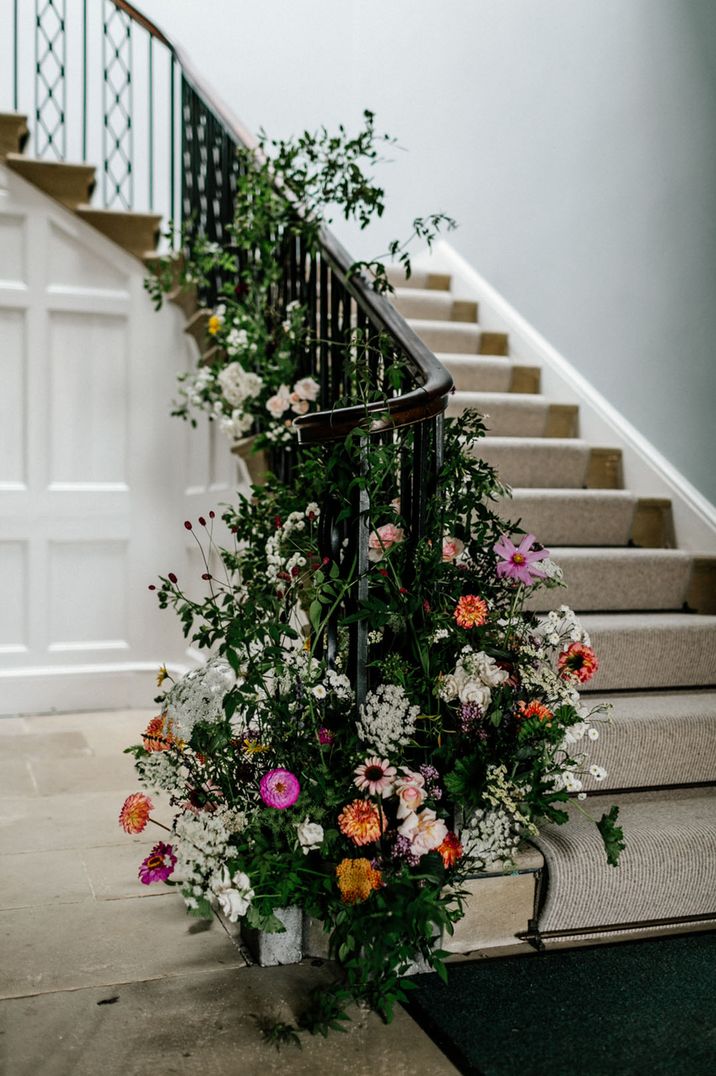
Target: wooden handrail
(427,399)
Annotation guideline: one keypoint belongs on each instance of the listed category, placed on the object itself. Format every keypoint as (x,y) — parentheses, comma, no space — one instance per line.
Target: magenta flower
(518,562)
(158,865)
(279,788)
(325,736)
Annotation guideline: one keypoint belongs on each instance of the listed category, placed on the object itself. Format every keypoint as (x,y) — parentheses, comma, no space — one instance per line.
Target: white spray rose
(310,835)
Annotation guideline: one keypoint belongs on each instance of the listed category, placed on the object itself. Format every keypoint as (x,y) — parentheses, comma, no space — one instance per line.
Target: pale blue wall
(575,143)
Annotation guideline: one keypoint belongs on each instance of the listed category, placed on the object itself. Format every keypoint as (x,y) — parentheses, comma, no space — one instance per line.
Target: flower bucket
(269,950)
(256,463)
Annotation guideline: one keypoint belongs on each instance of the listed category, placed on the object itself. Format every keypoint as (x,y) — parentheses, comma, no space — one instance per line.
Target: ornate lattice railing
(100,83)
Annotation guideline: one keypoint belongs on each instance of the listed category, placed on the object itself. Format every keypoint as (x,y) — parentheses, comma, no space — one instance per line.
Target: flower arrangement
(472,732)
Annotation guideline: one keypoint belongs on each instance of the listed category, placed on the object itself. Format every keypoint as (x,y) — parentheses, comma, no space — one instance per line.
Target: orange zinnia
(356,880)
(134,815)
(470,611)
(361,822)
(534,709)
(158,735)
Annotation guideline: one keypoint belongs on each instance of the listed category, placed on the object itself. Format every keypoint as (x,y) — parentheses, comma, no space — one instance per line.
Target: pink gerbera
(279,788)
(578,660)
(158,865)
(518,562)
(375,776)
(134,814)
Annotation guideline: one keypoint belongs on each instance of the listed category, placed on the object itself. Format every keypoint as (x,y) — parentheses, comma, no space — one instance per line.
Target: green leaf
(612,835)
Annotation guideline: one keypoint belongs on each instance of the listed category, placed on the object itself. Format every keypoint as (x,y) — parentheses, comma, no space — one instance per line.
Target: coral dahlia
(534,709)
(356,880)
(134,814)
(518,562)
(578,660)
(159,735)
(361,822)
(158,865)
(470,611)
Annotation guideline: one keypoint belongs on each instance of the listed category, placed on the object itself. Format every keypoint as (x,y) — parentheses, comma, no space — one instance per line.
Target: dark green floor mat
(641,1008)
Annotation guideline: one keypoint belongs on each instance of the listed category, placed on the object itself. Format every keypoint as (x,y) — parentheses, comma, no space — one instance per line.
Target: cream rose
(410,790)
(310,835)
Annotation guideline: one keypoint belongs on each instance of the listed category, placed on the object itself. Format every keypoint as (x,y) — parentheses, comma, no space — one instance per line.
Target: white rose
(310,835)
(307,388)
(472,691)
(448,687)
(234,896)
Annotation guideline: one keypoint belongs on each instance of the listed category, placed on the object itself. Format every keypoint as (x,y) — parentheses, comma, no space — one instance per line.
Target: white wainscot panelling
(12,398)
(71,264)
(13,606)
(12,249)
(88,400)
(87,601)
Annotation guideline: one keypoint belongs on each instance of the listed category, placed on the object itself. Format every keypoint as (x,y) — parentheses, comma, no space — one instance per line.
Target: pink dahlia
(375,776)
(578,660)
(518,562)
(158,865)
(279,788)
(134,814)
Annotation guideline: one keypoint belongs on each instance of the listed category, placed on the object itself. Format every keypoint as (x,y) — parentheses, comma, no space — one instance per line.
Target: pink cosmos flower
(375,776)
(382,539)
(279,788)
(158,865)
(452,547)
(518,562)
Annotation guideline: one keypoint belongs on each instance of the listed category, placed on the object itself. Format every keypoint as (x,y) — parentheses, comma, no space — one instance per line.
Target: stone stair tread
(419,278)
(668,868)
(652,650)
(138,233)
(619,579)
(572,517)
(506,413)
(655,738)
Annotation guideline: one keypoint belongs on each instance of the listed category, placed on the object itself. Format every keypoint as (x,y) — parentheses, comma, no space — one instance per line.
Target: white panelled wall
(95,477)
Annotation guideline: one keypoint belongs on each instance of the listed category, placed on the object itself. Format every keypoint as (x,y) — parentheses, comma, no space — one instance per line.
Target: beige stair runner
(640,600)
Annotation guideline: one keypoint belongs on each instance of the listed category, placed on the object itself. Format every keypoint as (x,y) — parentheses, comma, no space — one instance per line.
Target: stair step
(419,278)
(659,738)
(453,336)
(668,868)
(515,414)
(583,517)
(652,650)
(490,373)
(14,133)
(138,233)
(618,579)
(537,462)
(197,327)
(70,184)
(433,304)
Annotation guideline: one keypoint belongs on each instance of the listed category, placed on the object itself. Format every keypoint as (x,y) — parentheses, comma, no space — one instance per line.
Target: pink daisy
(158,865)
(518,562)
(375,776)
(279,788)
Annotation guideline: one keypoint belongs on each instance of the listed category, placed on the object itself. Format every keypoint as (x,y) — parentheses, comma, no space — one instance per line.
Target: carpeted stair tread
(537,462)
(652,650)
(419,278)
(618,579)
(432,304)
(668,868)
(579,517)
(481,373)
(454,336)
(506,414)
(655,738)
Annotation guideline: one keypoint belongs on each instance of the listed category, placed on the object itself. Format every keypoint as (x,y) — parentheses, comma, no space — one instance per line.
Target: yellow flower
(214,324)
(162,675)
(356,880)
(251,747)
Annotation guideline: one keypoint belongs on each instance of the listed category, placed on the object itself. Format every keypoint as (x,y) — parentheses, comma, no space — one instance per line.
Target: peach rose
(382,539)
(452,548)
(410,790)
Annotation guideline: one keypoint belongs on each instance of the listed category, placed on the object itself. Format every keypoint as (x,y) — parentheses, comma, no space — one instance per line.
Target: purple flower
(158,865)
(325,736)
(518,562)
(432,781)
(279,788)
(403,849)
(469,717)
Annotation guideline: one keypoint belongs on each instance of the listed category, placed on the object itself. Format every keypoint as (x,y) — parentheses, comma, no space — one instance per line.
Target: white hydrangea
(199,695)
(387,720)
(159,772)
(238,385)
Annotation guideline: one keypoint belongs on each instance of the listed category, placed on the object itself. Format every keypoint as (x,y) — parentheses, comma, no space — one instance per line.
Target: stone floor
(101,975)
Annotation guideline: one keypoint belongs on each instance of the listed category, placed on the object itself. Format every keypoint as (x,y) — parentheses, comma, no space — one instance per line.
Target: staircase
(649,609)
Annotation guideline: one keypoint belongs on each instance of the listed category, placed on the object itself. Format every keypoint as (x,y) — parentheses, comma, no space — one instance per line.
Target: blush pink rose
(452,547)
(279,403)
(410,790)
(298,404)
(307,389)
(383,539)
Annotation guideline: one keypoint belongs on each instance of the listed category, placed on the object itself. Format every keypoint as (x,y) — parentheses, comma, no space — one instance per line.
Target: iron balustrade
(108,85)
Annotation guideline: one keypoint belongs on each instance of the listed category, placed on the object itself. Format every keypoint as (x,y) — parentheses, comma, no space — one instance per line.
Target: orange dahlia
(470,611)
(450,850)
(159,735)
(356,880)
(361,822)
(578,660)
(134,815)
(534,709)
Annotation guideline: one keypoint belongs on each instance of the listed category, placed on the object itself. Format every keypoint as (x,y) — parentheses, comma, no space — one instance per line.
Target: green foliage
(612,835)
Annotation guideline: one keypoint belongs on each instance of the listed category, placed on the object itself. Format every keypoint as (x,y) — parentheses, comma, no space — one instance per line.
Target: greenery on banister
(379,717)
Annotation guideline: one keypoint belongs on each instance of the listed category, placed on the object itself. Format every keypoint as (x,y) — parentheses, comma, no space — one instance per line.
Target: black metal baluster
(323,330)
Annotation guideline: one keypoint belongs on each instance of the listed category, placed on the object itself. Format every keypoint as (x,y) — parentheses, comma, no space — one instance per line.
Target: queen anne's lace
(387,720)
(199,695)
(159,772)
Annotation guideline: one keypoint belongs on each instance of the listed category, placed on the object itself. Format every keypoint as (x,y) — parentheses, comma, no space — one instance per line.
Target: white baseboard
(647,473)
